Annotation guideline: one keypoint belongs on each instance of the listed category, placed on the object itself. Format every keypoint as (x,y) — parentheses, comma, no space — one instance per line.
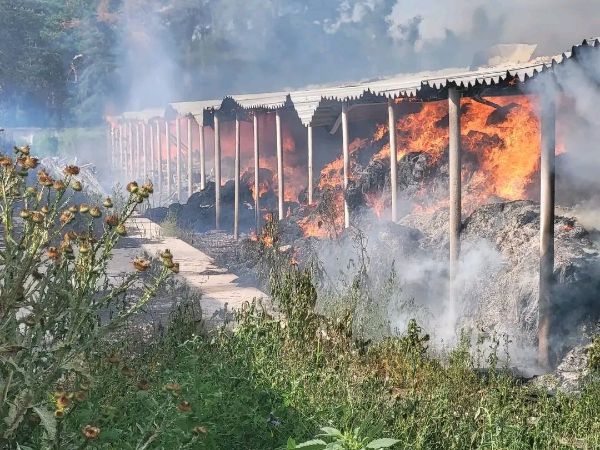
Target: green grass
(307,372)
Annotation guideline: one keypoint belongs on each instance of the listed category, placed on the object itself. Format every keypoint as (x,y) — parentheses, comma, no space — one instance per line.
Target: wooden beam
(547,204)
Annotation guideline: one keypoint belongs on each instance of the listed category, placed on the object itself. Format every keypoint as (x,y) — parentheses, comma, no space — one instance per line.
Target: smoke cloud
(184,50)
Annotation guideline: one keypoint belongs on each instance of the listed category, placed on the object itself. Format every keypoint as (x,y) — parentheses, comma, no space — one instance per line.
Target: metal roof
(144,115)
(195,108)
(321,105)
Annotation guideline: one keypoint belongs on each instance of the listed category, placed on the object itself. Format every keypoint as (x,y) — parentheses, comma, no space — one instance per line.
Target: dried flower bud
(52,253)
(74,209)
(91,432)
(112,220)
(37,217)
(84,208)
(148,187)
(141,264)
(66,248)
(184,406)
(59,414)
(121,230)
(45,209)
(59,185)
(44,179)
(95,212)
(30,190)
(173,387)
(29,162)
(24,150)
(71,170)
(143,193)
(5,161)
(108,203)
(25,214)
(200,430)
(143,385)
(175,268)
(66,217)
(166,254)
(85,248)
(132,187)
(77,186)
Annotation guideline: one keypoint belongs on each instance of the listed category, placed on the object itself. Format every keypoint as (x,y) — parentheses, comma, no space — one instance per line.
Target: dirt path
(220,291)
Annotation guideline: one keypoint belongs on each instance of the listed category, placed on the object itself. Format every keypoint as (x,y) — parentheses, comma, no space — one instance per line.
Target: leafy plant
(594,354)
(56,299)
(334,439)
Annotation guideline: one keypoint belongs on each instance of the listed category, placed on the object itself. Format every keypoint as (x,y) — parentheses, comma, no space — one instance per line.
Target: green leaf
(314,444)
(291,444)
(48,421)
(382,443)
(330,431)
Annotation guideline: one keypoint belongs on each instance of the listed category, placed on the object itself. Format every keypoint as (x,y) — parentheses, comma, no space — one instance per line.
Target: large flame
(501,149)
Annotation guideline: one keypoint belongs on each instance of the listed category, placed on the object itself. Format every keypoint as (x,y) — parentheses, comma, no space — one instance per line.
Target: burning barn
(456,154)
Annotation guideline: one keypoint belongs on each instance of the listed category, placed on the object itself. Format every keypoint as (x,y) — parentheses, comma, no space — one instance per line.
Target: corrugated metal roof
(144,115)
(195,108)
(321,105)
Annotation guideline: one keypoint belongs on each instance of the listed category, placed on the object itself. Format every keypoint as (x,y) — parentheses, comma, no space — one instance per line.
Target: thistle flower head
(71,170)
(132,187)
(141,264)
(90,432)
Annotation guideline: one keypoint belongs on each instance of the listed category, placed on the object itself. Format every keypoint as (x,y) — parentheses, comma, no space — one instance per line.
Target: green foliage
(594,355)
(268,384)
(337,440)
(55,294)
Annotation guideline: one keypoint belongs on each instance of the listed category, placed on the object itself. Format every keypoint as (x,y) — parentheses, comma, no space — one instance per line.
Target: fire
(501,146)
(501,149)
(376,203)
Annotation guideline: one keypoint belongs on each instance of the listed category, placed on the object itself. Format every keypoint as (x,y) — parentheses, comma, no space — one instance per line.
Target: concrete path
(220,292)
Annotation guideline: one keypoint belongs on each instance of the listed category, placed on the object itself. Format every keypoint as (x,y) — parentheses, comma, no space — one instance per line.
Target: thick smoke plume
(182,50)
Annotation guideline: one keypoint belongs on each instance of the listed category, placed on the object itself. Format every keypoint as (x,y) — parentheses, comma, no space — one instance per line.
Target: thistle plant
(55,292)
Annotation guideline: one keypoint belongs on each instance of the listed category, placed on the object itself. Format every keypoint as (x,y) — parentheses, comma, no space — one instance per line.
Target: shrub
(56,299)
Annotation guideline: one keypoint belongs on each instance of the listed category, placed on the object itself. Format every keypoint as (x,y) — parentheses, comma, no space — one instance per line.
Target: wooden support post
(121,152)
(168,148)
(547,203)
(202,157)
(152,153)
(256,174)
(455,188)
(138,158)
(178,159)
(280,175)
(130,152)
(310,165)
(236,176)
(159,180)
(217,172)
(145,151)
(393,159)
(346,152)
(112,147)
(190,159)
